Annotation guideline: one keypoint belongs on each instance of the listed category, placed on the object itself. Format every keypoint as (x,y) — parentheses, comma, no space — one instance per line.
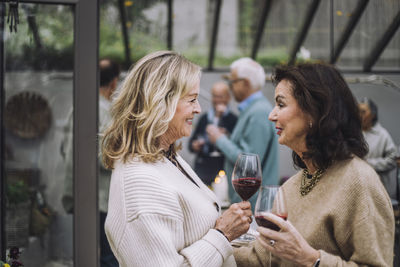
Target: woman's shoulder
(360,189)
(356,177)
(144,190)
(136,164)
(136,172)
(357,168)
(352,172)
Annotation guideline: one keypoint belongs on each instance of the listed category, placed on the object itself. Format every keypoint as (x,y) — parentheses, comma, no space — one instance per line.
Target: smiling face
(291,122)
(181,123)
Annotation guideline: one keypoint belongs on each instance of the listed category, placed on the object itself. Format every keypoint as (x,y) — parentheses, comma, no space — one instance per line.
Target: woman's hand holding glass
(277,234)
(270,200)
(246,180)
(235,221)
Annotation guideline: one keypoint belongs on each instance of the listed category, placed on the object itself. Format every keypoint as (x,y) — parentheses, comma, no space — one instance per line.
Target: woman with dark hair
(339,213)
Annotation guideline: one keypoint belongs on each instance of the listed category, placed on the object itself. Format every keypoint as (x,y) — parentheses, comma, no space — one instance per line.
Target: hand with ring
(235,221)
(287,243)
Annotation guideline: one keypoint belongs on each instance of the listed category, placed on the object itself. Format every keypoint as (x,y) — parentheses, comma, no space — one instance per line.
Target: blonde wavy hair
(144,106)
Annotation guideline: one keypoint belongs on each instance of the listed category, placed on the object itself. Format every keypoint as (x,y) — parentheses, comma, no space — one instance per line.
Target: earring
(310,124)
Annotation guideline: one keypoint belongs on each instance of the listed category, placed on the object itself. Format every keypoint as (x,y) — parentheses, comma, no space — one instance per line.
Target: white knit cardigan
(158,217)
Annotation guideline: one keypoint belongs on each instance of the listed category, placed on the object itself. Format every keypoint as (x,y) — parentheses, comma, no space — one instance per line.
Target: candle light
(220,188)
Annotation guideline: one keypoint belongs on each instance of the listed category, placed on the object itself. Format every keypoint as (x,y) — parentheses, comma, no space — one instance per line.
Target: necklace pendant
(308,183)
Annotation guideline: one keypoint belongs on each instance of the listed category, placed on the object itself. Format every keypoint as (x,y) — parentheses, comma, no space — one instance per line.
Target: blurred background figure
(109,75)
(382,150)
(209,161)
(253,133)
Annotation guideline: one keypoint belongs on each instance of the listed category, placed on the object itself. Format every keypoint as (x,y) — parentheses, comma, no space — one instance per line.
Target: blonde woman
(160,212)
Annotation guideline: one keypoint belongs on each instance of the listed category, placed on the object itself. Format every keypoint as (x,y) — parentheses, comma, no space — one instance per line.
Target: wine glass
(246,175)
(246,180)
(270,200)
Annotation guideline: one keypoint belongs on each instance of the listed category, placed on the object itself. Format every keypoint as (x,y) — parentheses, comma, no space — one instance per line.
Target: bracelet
(316,264)
(222,234)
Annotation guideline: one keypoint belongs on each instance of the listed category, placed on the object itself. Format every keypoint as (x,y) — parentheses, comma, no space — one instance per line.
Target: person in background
(382,150)
(160,213)
(109,76)
(209,161)
(253,133)
(339,213)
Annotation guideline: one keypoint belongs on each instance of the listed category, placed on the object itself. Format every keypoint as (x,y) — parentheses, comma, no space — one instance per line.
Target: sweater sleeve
(367,235)
(157,240)
(374,248)
(254,256)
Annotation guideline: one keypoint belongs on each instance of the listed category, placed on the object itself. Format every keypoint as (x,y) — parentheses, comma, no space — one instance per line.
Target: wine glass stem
(270,255)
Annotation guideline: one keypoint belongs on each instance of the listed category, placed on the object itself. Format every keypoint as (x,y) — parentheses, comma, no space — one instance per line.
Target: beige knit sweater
(347,216)
(158,217)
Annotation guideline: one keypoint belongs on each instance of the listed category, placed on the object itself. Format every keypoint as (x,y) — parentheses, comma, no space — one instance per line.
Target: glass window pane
(390,58)
(317,43)
(38,124)
(237,28)
(111,43)
(147,25)
(342,12)
(190,32)
(368,31)
(281,28)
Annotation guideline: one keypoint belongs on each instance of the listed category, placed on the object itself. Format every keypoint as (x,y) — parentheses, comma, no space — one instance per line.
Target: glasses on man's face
(232,82)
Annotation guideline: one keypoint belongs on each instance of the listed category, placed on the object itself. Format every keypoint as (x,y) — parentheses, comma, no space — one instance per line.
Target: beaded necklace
(307,184)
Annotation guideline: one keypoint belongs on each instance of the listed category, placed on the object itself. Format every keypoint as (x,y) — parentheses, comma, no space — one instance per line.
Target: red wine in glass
(246,175)
(246,187)
(270,200)
(262,221)
(246,180)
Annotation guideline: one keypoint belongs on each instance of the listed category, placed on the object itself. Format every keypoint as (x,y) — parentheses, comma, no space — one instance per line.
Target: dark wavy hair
(321,92)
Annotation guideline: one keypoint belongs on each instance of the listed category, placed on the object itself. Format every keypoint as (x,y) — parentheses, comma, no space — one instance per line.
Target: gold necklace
(307,186)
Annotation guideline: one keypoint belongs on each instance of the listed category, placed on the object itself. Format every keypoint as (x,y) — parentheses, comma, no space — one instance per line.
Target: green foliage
(17,192)
(272,57)
(111,45)
(51,48)
(143,44)
(55,49)
(140,42)
(248,20)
